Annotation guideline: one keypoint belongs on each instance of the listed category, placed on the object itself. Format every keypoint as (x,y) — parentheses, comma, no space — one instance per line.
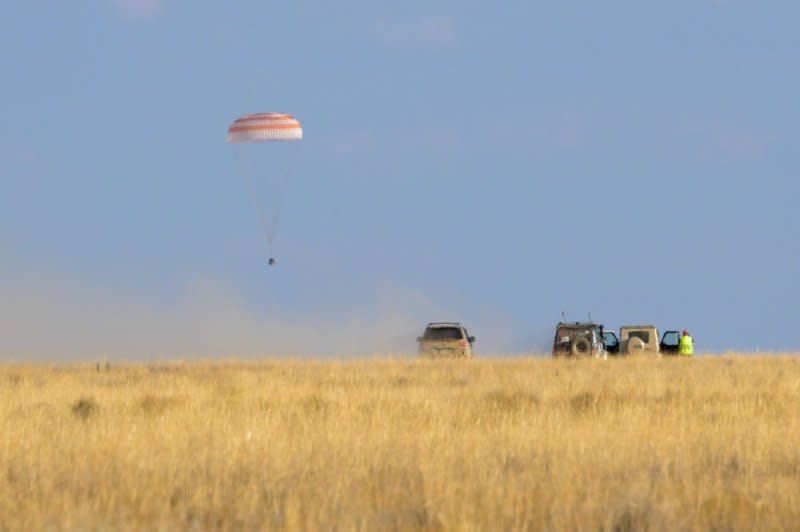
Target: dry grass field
(710,443)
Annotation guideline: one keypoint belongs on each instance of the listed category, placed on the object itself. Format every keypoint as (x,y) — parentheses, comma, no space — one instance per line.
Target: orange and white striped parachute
(264,127)
(266,170)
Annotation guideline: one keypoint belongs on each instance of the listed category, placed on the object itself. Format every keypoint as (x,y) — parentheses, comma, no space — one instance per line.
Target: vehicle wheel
(580,347)
(635,346)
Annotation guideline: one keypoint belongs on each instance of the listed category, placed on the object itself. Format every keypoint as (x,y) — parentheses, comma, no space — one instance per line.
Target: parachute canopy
(264,164)
(263,127)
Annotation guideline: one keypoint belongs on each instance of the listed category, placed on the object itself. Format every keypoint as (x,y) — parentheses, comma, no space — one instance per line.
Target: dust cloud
(54,317)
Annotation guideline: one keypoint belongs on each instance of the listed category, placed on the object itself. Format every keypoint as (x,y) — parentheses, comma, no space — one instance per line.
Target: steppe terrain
(706,443)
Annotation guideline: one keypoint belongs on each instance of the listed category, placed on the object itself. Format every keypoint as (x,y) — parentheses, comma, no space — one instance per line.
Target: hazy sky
(494,164)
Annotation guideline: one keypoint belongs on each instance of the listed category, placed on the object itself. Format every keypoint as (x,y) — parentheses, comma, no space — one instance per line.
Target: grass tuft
(314,404)
(153,405)
(84,408)
(515,401)
(582,403)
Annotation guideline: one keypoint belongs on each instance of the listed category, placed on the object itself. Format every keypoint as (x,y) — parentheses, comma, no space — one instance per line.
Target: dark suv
(579,339)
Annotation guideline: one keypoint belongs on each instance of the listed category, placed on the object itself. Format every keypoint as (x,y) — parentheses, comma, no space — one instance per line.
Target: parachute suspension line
(262,217)
(278,180)
(246,169)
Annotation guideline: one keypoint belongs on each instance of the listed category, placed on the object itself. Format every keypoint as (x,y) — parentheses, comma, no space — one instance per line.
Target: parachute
(265,162)
(263,127)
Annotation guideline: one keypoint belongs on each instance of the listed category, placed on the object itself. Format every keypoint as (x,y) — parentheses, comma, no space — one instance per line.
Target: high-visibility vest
(686,345)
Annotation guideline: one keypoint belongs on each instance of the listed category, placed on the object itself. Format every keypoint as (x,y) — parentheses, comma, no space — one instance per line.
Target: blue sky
(491,164)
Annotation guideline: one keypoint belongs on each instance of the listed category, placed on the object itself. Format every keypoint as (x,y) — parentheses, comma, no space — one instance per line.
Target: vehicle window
(610,339)
(580,333)
(443,333)
(644,336)
(562,336)
(671,338)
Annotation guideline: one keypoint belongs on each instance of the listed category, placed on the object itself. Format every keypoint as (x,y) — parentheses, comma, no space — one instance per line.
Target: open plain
(706,443)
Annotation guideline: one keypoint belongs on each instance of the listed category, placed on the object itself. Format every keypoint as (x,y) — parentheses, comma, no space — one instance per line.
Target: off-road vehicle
(640,339)
(446,339)
(579,339)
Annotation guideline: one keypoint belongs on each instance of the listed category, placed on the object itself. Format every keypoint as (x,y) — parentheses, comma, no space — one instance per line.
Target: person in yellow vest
(686,345)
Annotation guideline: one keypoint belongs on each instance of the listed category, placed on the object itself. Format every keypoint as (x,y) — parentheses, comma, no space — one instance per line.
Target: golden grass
(504,444)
